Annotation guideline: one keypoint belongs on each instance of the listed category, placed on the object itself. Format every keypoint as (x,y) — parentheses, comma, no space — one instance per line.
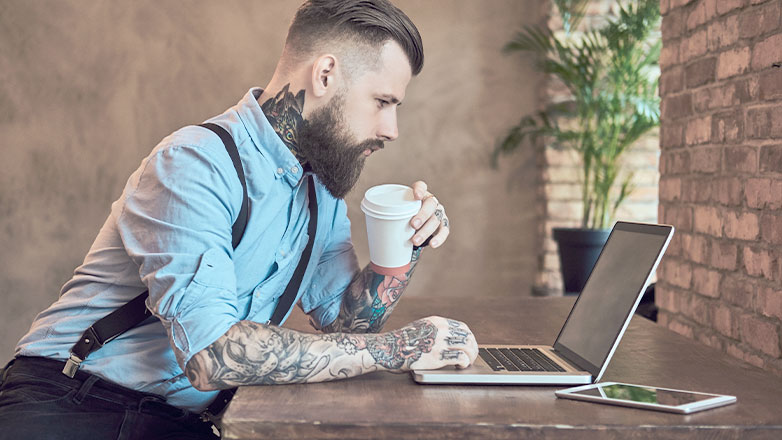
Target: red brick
(698,131)
(740,352)
(671,80)
(697,190)
(759,262)
(760,334)
(675,162)
(675,247)
(676,106)
(724,255)
(738,291)
(767,52)
(679,3)
(728,191)
(697,309)
(724,95)
(706,281)
(711,340)
(770,86)
(724,321)
(771,228)
(725,6)
(741,159)
(697,16)
(694,45)
(670,188)
(769,302)
(680,217)
(727,127)
(671,135)
(764,122)
(695,248)
(771,159)
(741,225)
(665,299)
(678,274)
(708,221)
(669,56)
(672,25)
(758,21)
(763,193)
(733,62)
(700,72)
(665,6)
(681,328)
(724,32)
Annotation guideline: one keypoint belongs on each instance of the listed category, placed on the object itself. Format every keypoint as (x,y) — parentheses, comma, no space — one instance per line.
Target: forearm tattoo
(284,113)
(255,354)
(369,300)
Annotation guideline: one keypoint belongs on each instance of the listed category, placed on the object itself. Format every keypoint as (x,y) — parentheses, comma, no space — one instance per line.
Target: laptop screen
(610,294)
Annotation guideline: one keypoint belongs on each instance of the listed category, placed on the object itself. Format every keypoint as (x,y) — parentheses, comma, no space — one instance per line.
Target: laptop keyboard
(517,359)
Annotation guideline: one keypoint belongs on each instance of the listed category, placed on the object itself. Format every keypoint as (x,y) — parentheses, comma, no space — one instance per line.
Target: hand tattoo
(284,113)
(449,355)
(456,334)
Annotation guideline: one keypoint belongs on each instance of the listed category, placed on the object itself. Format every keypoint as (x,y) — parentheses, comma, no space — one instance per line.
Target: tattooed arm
(258,354)
(371,297)
(369,300)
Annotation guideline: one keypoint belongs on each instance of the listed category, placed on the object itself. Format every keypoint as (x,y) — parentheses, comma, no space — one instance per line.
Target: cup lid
(390,200)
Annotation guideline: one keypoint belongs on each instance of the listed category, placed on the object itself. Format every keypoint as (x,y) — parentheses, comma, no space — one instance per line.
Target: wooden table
(392,406)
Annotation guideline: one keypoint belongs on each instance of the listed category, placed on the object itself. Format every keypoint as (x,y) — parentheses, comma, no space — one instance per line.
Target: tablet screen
(641,394)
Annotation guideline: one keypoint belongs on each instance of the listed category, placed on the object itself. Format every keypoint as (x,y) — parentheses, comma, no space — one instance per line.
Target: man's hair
(368,22)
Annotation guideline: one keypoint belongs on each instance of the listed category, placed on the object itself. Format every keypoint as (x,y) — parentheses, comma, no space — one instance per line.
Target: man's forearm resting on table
(258,354)
(370,299)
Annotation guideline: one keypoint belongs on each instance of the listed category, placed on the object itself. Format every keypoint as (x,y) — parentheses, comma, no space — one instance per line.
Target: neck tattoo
(284,114)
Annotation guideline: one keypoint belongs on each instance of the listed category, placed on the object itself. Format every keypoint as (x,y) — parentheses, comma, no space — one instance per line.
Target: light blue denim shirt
(170,232)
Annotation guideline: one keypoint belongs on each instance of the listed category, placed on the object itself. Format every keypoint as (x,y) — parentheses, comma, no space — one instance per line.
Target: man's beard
(329,149)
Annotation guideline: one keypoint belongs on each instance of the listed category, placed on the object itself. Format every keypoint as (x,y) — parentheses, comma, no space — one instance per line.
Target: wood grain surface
(392,406)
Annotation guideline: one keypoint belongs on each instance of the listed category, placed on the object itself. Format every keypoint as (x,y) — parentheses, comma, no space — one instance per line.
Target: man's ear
(323,75)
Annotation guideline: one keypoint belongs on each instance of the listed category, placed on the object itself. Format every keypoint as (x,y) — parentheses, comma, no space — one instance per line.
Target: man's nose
(388,130)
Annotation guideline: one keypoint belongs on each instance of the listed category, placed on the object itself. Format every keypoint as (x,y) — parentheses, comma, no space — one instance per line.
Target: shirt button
(282,253)
(280,171)
(294,170)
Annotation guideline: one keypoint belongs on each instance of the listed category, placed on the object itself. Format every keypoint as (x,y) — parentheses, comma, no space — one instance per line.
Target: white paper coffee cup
(389,209)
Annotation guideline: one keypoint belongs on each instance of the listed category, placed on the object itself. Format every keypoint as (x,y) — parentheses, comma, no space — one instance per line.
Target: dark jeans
(37,401)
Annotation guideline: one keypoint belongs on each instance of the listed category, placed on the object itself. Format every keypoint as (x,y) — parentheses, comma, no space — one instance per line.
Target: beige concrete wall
(87,88)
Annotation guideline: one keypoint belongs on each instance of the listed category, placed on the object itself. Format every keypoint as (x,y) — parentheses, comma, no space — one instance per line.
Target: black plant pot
(578,252)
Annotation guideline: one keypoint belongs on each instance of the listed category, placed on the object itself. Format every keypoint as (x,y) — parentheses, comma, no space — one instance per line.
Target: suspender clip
(72,365)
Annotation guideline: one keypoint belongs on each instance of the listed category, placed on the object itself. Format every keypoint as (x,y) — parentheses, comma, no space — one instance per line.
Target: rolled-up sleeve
(176,226)
(337,267)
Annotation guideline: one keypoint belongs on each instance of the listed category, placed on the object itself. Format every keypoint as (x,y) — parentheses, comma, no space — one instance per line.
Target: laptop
(591,332)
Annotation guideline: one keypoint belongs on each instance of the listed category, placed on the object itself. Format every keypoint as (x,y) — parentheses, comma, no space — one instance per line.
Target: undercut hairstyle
(369,23)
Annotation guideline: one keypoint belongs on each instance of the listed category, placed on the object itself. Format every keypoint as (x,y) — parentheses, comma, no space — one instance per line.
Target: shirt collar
(266,140)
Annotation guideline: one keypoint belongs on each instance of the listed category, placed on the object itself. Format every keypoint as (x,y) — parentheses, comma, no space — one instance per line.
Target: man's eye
(382,103)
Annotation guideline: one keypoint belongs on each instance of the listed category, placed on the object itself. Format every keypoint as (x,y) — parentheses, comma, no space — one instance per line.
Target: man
(330,104)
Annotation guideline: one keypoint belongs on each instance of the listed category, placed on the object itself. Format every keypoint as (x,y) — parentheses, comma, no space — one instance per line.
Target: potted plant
(611,74)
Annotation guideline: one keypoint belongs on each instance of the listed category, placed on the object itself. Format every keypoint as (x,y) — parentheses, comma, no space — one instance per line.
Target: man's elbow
(199,373)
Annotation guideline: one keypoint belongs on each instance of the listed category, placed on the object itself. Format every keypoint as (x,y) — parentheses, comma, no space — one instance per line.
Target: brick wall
(721,175)
(559,191)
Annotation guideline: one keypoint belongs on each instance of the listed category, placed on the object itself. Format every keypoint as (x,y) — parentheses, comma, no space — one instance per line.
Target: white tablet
(646,397)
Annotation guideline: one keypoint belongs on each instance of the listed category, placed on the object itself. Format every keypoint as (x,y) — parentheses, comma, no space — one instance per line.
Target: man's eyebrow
(391,98)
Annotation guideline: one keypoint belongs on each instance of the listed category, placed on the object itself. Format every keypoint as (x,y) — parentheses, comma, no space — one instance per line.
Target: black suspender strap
(135,311)
(241,221)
